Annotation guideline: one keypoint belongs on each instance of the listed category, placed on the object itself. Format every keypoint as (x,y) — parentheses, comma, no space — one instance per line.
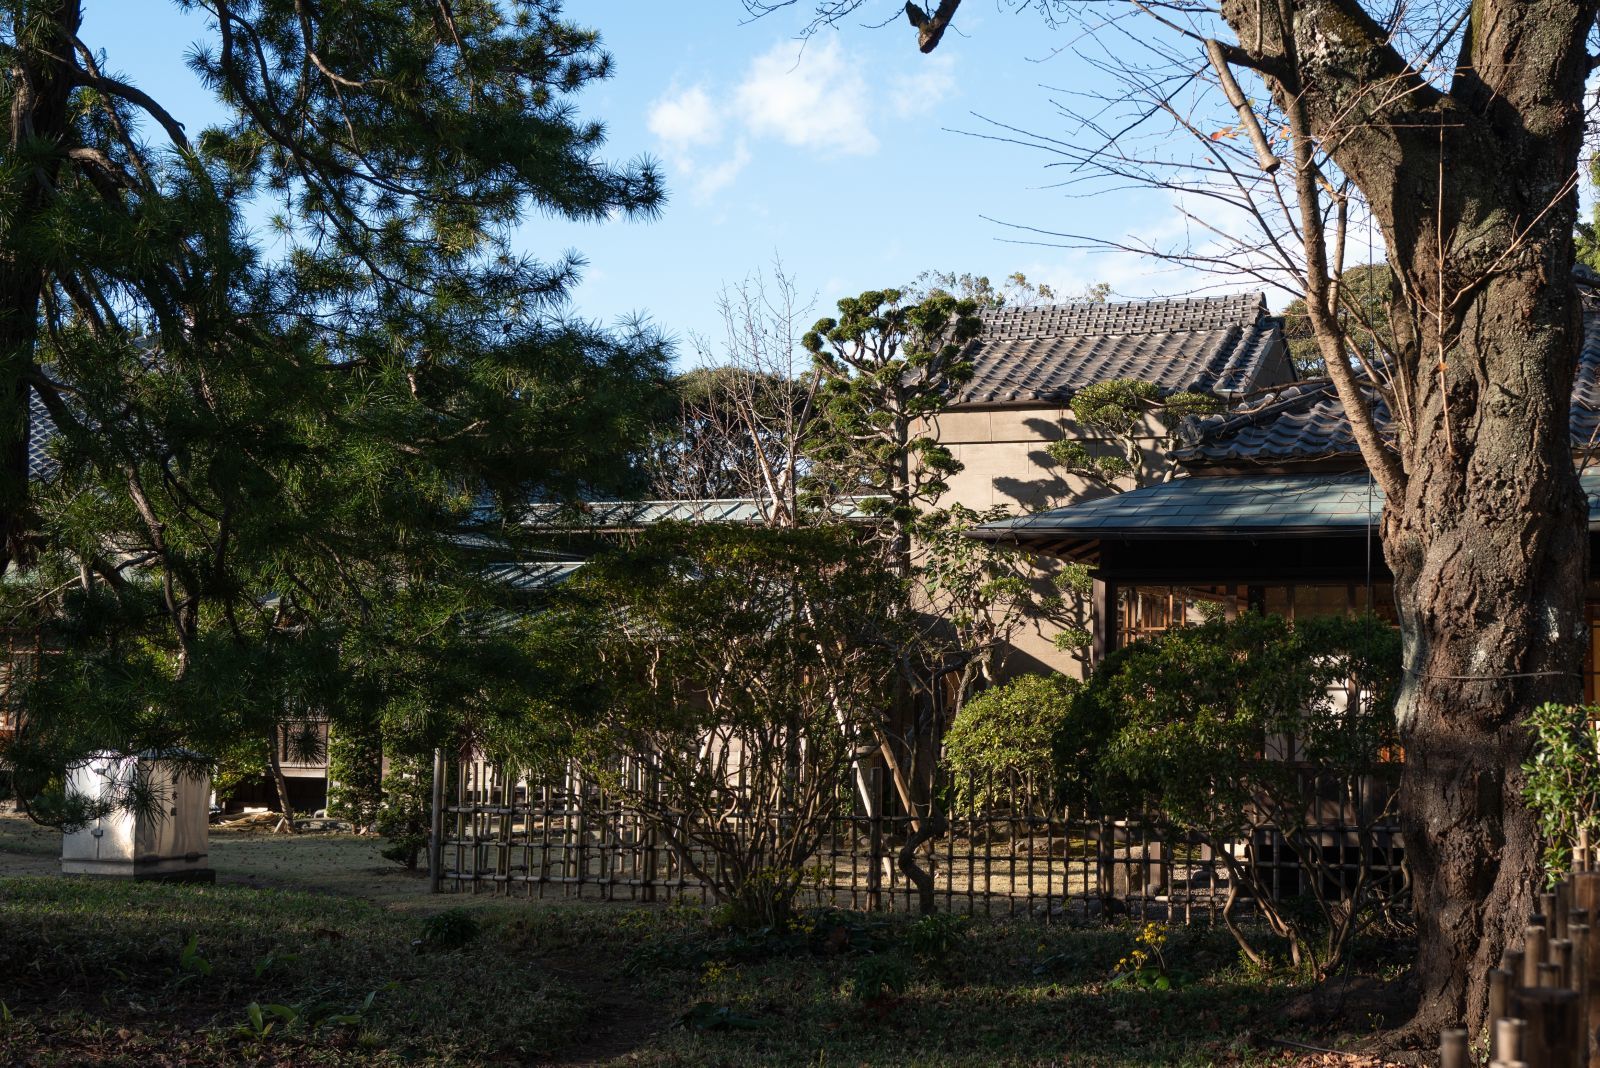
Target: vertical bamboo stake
(1499,992)
(1586,900)
(1535,951)
(1579,979)
(1453,1049)
(1562,954)
(1508,1040)
(1586,891)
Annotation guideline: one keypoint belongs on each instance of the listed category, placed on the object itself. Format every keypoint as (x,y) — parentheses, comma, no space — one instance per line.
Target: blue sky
(841,156)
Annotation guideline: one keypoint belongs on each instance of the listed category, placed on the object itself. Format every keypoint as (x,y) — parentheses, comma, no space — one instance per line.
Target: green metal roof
(1268,506)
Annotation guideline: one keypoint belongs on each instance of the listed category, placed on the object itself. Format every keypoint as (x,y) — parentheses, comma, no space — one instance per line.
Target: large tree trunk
(39,127)
(1484,524)
(1489,548)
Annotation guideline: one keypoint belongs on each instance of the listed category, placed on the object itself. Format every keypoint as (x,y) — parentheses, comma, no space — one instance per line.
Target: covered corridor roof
(1223,506)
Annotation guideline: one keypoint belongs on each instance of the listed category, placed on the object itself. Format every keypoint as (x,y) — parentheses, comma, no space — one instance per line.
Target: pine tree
(289,460)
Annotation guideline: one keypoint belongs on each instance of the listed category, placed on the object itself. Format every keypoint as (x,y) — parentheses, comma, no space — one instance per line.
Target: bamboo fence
(1544,1000)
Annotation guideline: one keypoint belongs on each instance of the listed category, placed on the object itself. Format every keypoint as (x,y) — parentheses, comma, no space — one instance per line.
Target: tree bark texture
(38,135)
(1485,524)
(280,781)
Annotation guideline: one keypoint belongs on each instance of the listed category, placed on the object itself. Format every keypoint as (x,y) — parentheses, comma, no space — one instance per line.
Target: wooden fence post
(436,826)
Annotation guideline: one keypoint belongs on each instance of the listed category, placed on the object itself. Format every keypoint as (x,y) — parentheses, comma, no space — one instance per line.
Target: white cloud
(815,99)
(685,119)
(921,90)
(689,125)
(709,180)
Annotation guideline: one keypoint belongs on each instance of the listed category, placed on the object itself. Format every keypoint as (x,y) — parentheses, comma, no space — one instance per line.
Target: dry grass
(106,972)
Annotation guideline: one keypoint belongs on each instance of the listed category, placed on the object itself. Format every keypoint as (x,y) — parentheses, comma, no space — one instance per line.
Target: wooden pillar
(1105,620)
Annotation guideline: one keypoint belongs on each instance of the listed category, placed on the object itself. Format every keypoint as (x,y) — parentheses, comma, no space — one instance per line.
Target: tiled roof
(1300,423)
(1586,383)
(1219,344)
(1305,421)
(1273,506)
(41,428)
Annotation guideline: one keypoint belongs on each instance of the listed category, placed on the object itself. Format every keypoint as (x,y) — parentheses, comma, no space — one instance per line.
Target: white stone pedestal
(170,841)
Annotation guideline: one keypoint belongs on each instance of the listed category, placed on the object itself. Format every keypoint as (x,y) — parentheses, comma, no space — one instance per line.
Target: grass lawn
(326,949)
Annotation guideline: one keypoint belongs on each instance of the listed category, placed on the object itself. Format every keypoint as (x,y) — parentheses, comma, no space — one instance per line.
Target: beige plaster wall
(1002,451)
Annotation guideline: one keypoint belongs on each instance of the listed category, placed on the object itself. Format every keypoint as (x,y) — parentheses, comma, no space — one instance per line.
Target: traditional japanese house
(1273,509)
(1029,363)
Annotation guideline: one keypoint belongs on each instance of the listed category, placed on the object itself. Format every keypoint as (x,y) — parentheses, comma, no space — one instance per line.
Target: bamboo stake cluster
(1544,1001)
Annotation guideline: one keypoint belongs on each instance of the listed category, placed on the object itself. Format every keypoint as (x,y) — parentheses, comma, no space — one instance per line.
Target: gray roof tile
(1028,355)
(1305,421)
(41,428)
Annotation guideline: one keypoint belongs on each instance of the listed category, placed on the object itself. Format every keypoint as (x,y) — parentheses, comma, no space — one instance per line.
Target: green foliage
(887,368)
(1563,779)
(1167,725)
(980,593)
(1076,578)
(1178,727)
(448,931)
(740,665)
(1120,412)
(1145,966)
(1074,610)
(404,818)
(879,976)
(1015,291)
(289,454)
(933,938)
(190,962)
(1365,296)
(243,761)
(355,770)
(305,1016)
(1004,737)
